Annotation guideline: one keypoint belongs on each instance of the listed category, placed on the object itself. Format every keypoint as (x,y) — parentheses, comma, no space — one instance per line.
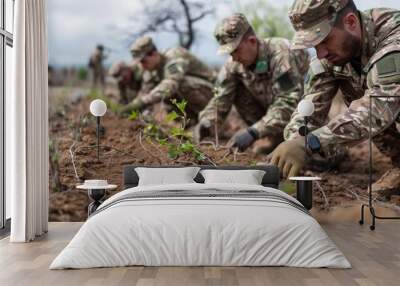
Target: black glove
(244,138)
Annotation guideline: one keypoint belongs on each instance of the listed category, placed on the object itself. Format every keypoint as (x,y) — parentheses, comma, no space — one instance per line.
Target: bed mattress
(201,225)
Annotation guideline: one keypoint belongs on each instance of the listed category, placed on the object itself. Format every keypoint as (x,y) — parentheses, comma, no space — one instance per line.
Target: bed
(201,224)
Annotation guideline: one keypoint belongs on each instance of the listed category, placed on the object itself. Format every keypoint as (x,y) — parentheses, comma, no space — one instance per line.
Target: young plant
(180,141)
(171,133)
(134,115)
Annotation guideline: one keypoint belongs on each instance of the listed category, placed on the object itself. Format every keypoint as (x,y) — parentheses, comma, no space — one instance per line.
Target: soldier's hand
(244,138)
(289,157)
(127,109)
(201,130)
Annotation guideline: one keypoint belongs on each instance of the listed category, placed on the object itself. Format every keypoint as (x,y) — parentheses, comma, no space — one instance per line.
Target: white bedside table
(304,190)
(96,190)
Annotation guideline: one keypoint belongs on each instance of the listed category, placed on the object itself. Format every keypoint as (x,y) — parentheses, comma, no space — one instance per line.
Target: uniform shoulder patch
(261,67)
(174,68)
(388,68)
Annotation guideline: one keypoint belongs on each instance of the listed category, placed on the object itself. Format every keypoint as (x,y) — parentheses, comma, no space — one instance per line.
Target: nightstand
(304,188)
(96,190)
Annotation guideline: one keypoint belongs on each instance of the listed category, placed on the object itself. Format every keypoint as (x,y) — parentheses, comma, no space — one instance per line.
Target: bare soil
(122,144)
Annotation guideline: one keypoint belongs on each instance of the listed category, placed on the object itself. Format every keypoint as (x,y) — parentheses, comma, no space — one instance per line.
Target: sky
(75,27)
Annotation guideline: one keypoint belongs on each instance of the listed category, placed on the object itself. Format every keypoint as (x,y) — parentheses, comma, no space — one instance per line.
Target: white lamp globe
(306,107)
(98,107)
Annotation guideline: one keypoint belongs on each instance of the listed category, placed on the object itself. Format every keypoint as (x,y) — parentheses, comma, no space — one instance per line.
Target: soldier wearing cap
(358,53)
(179,75)
(263,79)
(96,65)
(129,78)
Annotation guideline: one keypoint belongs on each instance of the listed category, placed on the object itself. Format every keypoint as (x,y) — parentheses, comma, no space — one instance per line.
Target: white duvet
(200,231)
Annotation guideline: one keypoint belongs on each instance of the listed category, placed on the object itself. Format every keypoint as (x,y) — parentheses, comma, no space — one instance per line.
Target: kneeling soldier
(181,76)
(129,79)
(263,79)
(358,53)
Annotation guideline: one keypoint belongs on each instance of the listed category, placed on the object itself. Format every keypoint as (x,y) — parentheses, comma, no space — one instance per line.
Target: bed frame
(270,179)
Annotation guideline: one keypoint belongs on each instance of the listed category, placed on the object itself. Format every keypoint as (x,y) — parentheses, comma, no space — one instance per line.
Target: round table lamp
(98,108)
(305,108)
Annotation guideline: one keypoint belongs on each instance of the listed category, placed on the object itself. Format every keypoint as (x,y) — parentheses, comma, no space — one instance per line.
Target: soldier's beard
(350,49)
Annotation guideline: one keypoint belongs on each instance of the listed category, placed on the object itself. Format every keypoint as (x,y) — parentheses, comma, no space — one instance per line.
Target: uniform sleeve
(224,96)
(288,83)
(320,87)
(353,127)
(137,78)
(150,81)
(174,73)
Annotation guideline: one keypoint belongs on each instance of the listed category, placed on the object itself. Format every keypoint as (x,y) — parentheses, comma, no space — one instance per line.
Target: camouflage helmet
(141,47)
(230,31)
(313,20)
(116,69)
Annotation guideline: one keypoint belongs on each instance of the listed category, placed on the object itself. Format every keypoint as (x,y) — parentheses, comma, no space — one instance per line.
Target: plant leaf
(172,116)
(134,115)
(162,141)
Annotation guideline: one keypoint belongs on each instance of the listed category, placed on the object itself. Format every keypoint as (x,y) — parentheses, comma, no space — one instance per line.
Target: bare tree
(173,16)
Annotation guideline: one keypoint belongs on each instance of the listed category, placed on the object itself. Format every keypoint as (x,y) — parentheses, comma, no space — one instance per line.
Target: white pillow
(248,177)
(163,176)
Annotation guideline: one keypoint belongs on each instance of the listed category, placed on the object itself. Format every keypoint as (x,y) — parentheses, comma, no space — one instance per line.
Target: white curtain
(27,123)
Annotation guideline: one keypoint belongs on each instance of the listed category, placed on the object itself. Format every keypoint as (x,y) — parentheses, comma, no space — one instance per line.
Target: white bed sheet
(200,232)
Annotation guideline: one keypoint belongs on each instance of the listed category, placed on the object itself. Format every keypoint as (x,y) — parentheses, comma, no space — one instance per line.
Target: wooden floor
(375,257)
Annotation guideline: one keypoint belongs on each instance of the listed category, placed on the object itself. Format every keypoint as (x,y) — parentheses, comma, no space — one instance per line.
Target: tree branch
(189,24)
(202,15)
(171,16)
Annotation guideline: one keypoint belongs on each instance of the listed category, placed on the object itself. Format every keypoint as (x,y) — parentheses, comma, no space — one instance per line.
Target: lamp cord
(73,151)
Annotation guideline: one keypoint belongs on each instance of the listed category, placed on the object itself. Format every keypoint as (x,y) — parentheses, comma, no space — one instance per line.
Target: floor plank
(375,257)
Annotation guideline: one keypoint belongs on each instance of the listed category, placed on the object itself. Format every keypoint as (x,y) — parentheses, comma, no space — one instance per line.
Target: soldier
(129,78)
(96,65)
(358,53)
(263,79)
(179,75)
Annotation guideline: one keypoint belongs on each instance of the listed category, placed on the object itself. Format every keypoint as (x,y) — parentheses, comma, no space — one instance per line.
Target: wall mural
(147,91)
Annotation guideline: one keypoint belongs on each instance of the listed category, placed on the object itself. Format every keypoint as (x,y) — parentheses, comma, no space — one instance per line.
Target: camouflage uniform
(96,64)
(129,78)
(380,75)
(179,75)
(264,94)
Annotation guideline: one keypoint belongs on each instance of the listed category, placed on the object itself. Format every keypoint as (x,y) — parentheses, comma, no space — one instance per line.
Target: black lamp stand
(305,134)
(98,137)
(97,195)
(304,188)
(370,201)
